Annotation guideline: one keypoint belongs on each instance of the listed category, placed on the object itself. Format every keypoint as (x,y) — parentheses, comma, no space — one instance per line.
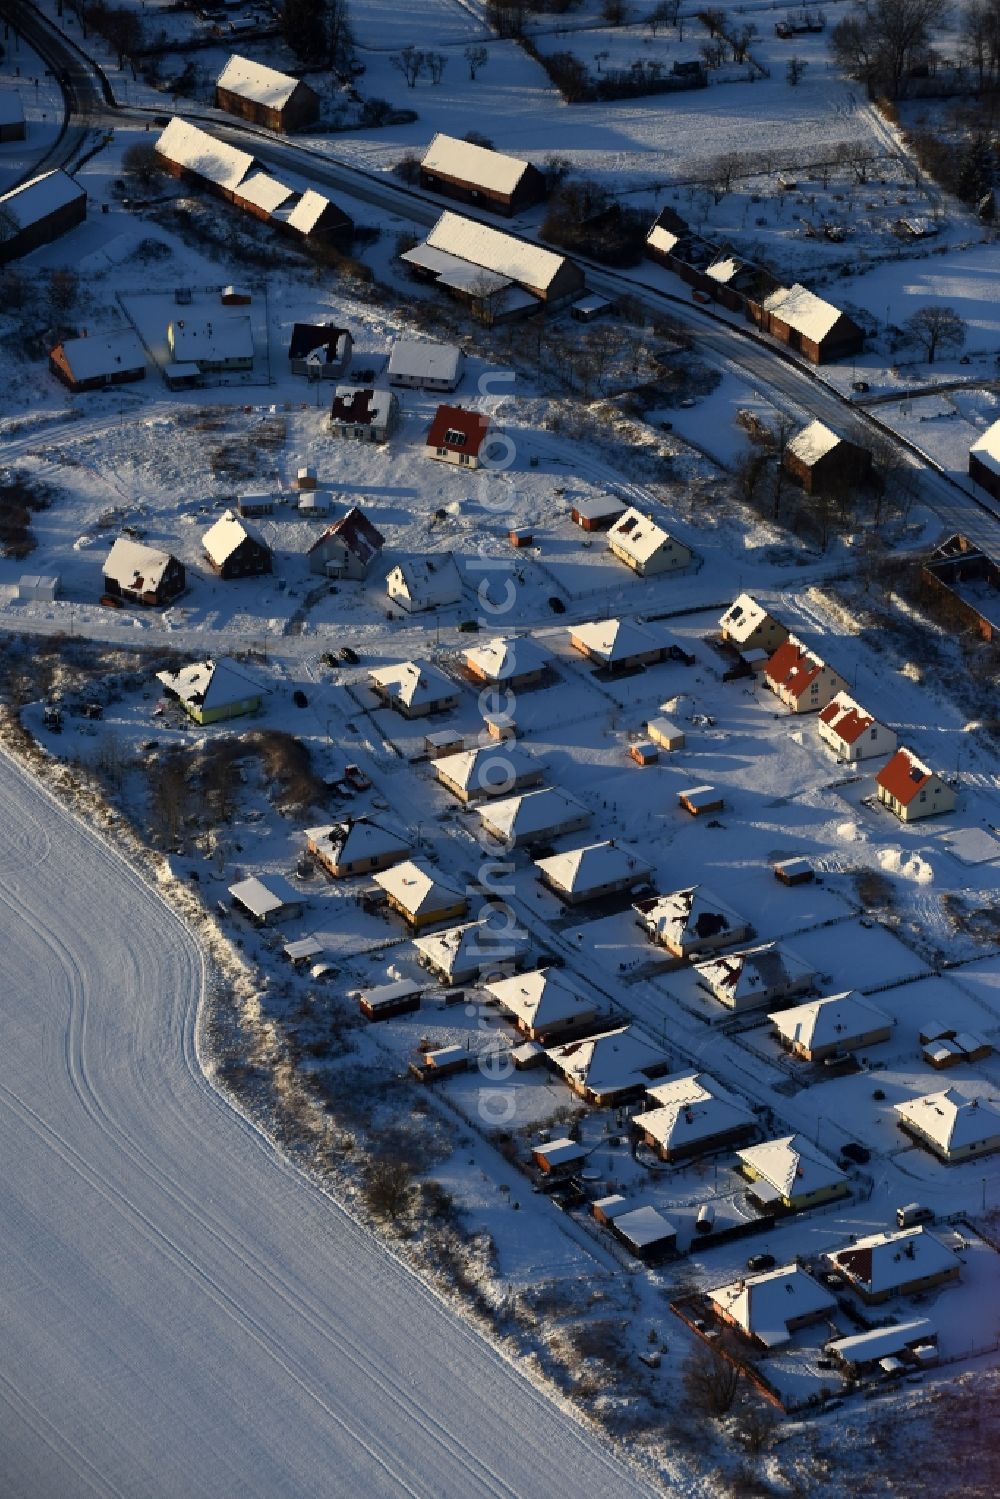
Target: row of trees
(413,63)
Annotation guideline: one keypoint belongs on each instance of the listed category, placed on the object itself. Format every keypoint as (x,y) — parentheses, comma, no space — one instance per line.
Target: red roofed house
(347,548)
(908,788)
(852,733)
(801,680)
(457,435)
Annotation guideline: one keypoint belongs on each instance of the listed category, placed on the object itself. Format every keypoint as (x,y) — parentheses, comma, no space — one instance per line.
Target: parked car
(761,1262)
(859,1154)
(356,777)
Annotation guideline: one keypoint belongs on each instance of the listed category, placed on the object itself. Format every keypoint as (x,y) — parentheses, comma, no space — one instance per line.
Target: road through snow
(181,1313)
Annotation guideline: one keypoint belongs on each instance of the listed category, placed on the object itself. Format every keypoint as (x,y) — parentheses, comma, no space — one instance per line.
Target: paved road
(182,1314)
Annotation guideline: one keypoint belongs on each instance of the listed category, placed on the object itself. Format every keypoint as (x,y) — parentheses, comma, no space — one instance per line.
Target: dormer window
(455,438)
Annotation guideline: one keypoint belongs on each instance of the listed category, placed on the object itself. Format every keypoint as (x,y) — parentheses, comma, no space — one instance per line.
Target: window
(873,731)
(923,796)
(442,452)
(464,458)
(455,439)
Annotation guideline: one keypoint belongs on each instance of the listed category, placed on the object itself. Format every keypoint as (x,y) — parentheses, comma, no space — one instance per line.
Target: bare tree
(411,62)
(143,162)
(756,1426)
(388,1187)
(880,45)
(794,71)
(436,62)
(739,41)
(750,473)
(616,12)
(783,429)
(710,1380)
(713,52)
(663,14)
(715,21)
(477,58)
(936,328)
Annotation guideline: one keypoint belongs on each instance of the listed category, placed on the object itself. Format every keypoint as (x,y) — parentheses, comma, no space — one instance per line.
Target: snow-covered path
(181,1314)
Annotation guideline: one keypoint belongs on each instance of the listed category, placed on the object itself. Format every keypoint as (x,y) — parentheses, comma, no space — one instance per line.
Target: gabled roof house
(852,732)
(235,548)
(262,94)
(800,679)
(418,584)
(348,548)
(457,436)
(911,789)
(691,1114)
(747,625)
(691,921)
(142,574)
(756,977)
(610,1068)
(645,547)
(213,690)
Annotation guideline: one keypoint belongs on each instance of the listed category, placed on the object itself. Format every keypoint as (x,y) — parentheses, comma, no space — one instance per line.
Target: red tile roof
(793,667)
(903,777)
(846,719)
(471,427)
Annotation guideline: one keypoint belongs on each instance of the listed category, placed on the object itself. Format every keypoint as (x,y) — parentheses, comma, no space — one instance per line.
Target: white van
(913,1213)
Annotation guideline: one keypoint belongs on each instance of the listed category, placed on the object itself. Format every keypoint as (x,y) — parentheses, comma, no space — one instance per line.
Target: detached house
(791,1173)
(610,1069)
(513,664)
(646,547)
(348,548)
(414,688)
(422,364)
(618,644)
(363,414)
(321,351)
(828,1027)
(216,345)
(420,895)
(851,732)
(533,817)
(478,175)
(905,1263)
(141,574)
(910,789)
(593,873)
(545,1004)
(358,846)
(759,976)
(265,96)
(748,626)
(691,921)
(770,1307)
(235,548)
(692,1114)
(457,436)
(211,691)
(464,953)
(801,680)
(821,460)
(951,1126)
(817,329)
(489,770)
(423,583)
(99,360)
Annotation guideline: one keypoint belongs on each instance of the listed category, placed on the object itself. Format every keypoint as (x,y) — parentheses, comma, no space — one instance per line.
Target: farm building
(361,845)
(791,1173)
(215,345)
(907,787)
(800,679)
(664,734)
(141,574)
(265,96)
(386,1001)
(235,296)
(422,364)
(99,360)
(478,175)
(487,770)
(770,1307)
(235,548)
(817,329)
(643,752)
(363,414)
(597,512)
(194,156)
(759,976)
(823,462)
(949,1051)
(851,732)
(903,1263)
(420,895)
(645,547)
(214,690)
(592,873)
(691,921)
(321,351)
(612,1068)
(692,1114)
(559,1157)
(794,871)
(514,664)
(313,217)
(261,195)
(533,817)
(984,460)
(477,949)
(422,583)
(969,579)
(12,126)
(700,800)
(501,276)
(413,688)
(38,212)
(645,1233)
(457,436)
(748,626)
(914,1340)
(348,548)
(546,1004)
(619,644)
(951,1126)
(266,900)
(828,1027)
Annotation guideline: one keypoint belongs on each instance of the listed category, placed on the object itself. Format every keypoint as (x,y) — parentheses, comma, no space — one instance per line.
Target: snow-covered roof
(453,271)
(987,448)
(132,564)
(609,1063)
(256,82)
(904,776)
(882,1262)
(212,684)
(616,640)
(836,1021)
(38,198)
(433,581)
(763,1305)
(662,239)
(743,617)
(413,683)
(792,1166)
(229,532)
(690,916)
(561,1152)
(265,191)
(813,443)
(361,405)
(845,718)
(477,166)
(640,537)
(211,340)
(793,666)
(802,310)
(542,811)
(690,1108)
(756,973)
(490,768)
(262,897)
(358,838)
(597,507)
(103,354)
(644,1226)
(499,660)
(418,888)
(492,250)
(187,146)
(542,998)
(950,1120)
(354,529)
(481,945)
(308,211)
(878,1342)
(423,359)
(596,865)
